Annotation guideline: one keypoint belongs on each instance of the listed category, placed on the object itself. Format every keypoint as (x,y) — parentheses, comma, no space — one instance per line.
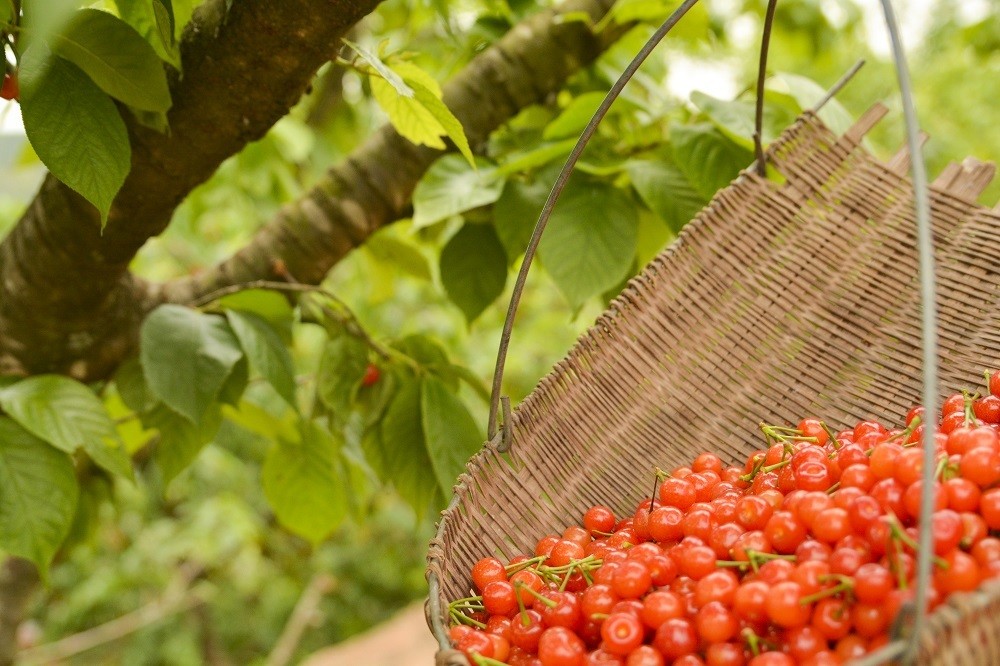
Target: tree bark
(67,303)
(372,188)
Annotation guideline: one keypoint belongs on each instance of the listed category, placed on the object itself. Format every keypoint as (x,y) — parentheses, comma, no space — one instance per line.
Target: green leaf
(709,159)
(163,10)
(653,236)
(451,434)
(536,157)
(440,112)
(235,384)
(424,350)
(254,418)
(269,305)
(155,21)
(575,117)
(411,114)
(735,118)
(94,492)
(807,93)
(451,187)
(73,127)
(186,357)
(422,117)
(116,58)
(180,440)
(474,381)
(132,386)
(516,211)
(69,416)
(629,11)
(403,450)
(665,189)
(41,18)
(301,485)
(341,368)
(38,491)
(589,244)
(399,253)
(266,352)
(383,70)
(474,269)
(359,480)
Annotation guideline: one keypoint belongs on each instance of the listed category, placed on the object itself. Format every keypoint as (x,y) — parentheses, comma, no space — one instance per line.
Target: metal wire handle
(907,648)
(550,203)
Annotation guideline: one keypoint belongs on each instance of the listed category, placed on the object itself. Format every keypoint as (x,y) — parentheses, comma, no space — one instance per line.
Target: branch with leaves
(67,302)
(373,187)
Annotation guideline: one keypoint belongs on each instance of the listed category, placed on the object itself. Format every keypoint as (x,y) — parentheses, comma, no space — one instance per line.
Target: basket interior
(780,300)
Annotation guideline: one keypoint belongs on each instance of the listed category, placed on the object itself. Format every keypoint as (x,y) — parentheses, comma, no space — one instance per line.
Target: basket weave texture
(780,300)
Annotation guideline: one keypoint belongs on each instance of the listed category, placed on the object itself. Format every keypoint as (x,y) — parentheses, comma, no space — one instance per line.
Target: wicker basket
(780,300)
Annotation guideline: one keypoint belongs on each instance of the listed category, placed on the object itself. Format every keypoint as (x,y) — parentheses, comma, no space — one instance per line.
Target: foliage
(260,453)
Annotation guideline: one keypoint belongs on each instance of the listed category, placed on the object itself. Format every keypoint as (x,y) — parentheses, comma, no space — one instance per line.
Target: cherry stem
(897,533)
(784,434)
(752,474)
(824,594)
(462,618)
(831,434)
(754,559)
(468,605)
(480,660)
(518,586)
(521,610)
(777,465)
(754,641)
(907,431)
(834,488)
(511,569)
(941,466)
(588,562)
(970,412)
(656,484)
(846,585)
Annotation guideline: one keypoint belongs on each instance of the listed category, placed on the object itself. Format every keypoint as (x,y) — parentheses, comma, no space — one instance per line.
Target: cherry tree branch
(67,302)
(373,186)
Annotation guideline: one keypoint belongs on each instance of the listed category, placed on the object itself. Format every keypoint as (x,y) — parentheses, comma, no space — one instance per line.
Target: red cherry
(371,376)
(622,633)
(10,89)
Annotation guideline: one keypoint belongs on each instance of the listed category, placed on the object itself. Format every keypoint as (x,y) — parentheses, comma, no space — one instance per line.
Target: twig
(302,615)
(836,88)
(349,320)
(271,285)
(171,603)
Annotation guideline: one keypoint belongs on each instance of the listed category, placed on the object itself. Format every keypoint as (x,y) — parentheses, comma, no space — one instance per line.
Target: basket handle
(543,218)
(503,441)
(906,648)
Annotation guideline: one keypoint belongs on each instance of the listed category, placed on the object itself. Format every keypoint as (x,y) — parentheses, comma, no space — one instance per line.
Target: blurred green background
(213,524)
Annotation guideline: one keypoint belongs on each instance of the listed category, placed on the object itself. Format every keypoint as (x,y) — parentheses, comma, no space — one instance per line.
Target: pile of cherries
(804,555)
